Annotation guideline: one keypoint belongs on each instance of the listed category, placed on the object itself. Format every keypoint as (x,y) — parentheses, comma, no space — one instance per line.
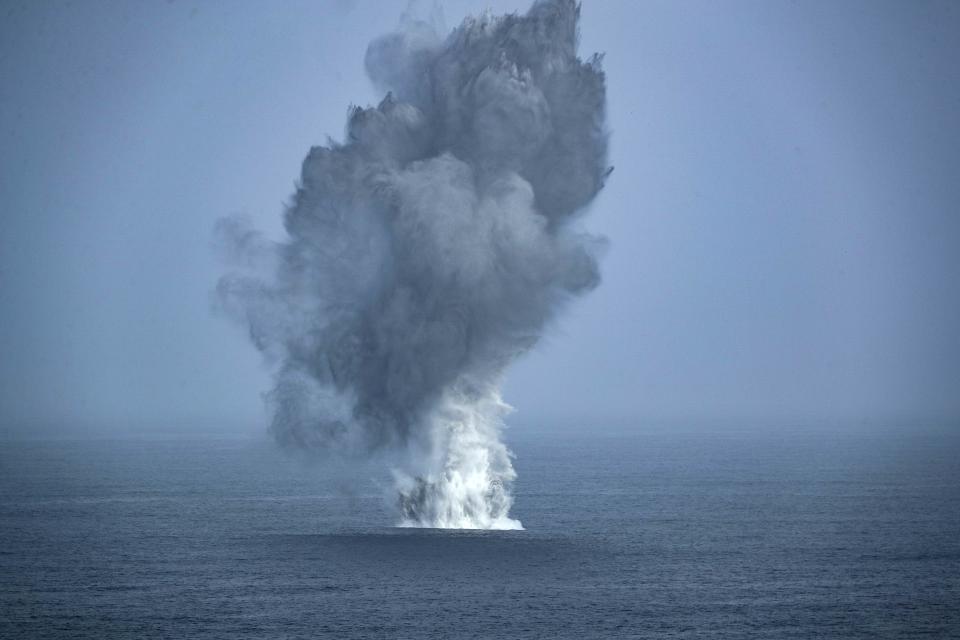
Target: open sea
(650,535)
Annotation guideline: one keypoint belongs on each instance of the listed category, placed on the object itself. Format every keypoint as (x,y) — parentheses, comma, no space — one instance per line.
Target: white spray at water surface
(427,252)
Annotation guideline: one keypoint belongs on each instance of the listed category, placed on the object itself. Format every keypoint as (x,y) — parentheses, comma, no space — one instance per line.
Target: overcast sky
(783,217)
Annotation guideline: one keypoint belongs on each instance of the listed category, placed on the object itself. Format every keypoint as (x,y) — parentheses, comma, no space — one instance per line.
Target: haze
(782,217)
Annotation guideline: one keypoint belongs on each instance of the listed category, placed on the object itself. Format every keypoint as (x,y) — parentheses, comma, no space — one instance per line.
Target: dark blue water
(654,535)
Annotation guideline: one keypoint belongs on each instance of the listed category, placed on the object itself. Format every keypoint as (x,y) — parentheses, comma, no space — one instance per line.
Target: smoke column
(428,251)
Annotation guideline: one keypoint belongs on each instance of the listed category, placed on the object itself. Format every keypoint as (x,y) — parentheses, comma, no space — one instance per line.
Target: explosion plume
(428,251)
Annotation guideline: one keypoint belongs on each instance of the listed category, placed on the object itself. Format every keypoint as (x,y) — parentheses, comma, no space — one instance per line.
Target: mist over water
(767,534)
(427,252)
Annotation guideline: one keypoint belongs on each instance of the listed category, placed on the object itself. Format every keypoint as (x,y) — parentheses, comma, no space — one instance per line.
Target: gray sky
(783,217)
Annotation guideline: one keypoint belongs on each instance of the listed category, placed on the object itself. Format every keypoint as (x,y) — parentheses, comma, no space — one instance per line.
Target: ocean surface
(652,535)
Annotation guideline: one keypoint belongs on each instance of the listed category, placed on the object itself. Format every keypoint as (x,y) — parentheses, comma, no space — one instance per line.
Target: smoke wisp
(429,250)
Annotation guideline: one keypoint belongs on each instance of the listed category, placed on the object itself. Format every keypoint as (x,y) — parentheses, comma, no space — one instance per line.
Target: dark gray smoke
(428,251)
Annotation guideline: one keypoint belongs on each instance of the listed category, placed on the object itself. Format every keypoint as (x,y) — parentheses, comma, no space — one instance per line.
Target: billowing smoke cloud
(428,251)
